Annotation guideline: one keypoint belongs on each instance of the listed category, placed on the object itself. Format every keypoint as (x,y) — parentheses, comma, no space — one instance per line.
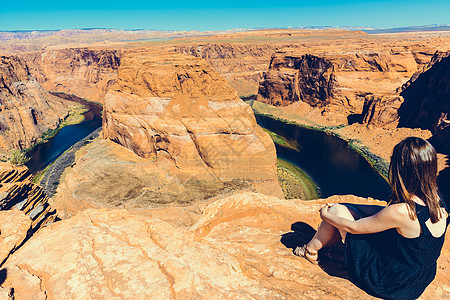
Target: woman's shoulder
(400,209)
(396,212)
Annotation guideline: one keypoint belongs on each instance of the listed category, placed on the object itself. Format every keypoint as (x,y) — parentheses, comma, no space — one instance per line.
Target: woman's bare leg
(328,235)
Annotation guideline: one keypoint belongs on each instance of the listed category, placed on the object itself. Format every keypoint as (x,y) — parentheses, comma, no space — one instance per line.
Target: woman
(391,251)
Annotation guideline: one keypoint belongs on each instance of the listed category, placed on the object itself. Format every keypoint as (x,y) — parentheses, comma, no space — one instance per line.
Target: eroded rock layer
(18,192)
(177,108)
(87,73)
(242,65)
(427,100)
(341,83)
(306,78)
(26,109)
(232,250)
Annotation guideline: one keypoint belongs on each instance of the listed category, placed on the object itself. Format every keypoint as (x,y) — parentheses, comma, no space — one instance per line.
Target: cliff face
(242,65)
(230,248)
(26,109)
(380,111)
(342,79)
(176,108)
(427,101)
(18,192)
(87,73)
(305,78)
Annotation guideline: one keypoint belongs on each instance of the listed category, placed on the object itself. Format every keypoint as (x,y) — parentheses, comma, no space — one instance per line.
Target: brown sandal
(303,252)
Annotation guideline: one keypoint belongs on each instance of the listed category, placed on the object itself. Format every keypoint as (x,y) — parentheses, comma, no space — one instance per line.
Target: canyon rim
(178,196)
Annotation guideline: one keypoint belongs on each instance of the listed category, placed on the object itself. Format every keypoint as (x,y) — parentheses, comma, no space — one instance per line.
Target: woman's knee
(341,211)
(337,209)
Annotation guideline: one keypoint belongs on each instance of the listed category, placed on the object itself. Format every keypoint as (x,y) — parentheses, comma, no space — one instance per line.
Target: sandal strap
(310,252)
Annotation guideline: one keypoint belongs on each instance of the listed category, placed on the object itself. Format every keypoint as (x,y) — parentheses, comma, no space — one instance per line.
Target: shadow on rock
(331,259)
(443,182)
(2,276)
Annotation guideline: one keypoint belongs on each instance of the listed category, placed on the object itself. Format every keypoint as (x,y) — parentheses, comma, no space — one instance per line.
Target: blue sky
(219,15)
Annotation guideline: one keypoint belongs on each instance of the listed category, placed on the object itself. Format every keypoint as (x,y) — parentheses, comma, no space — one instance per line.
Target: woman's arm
(389,217)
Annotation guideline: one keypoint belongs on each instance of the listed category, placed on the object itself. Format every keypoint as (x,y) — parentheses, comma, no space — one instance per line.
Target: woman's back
(391,266)
(411,227)
(423,250)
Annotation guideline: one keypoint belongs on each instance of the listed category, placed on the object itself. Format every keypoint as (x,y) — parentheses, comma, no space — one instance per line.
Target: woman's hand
(324,211)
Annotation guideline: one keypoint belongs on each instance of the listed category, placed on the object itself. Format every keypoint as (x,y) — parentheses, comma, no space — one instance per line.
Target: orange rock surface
(87,73)
(232,249)
(26,109)
(18,192)
(177,108)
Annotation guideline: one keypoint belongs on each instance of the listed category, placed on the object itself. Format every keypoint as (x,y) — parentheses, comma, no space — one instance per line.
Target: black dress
(390,266)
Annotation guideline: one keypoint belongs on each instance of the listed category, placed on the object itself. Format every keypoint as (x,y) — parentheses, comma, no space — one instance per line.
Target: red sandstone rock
(232,250)
(177,108)
(26,109)
(305,78)
(14,229)
(87,73)
(18,192)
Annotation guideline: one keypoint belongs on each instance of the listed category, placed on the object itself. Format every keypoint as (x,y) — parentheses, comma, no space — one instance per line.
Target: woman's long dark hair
(413,171)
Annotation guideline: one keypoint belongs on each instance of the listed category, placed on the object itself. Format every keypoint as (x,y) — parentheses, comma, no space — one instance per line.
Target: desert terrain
(178,196)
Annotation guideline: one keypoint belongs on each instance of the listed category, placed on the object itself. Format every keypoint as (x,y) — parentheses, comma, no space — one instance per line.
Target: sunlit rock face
(341,84)
(87,73)
(176,108)
(26,109)
(234,247)
(18,192)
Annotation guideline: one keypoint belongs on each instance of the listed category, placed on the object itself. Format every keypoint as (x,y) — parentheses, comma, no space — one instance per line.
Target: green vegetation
(18,157)
(75,116)
(294,182)
(378,163)
(38,177)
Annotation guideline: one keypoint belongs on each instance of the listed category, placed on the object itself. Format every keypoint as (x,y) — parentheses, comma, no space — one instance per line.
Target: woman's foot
(310,256)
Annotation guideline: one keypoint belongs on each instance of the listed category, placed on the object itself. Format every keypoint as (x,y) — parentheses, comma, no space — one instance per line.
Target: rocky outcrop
(242,65)
(242,57)
(87,73)
(176,108)
(381,111)
(334,78)
(15,228)
(427,101)
(18,192)
(231,250)
(26,109)
(305,78)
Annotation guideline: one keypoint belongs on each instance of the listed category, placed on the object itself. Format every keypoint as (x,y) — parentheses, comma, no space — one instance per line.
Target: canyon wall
(26,109)
(242,65)
(343,82)
(86,73)
(306,78)
(427,101)
(177,108)
(174,133)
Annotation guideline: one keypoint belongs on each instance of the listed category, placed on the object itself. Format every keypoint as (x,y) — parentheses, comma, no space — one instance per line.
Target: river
(328,160)
(44,154)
